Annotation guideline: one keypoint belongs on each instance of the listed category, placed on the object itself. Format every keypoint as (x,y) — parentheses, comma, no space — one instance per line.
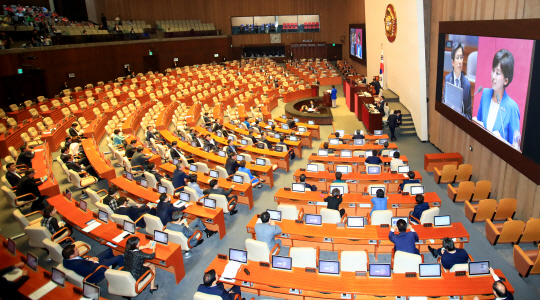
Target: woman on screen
(497,112)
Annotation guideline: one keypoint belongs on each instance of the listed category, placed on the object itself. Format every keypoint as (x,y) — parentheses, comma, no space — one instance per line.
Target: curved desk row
(357,163)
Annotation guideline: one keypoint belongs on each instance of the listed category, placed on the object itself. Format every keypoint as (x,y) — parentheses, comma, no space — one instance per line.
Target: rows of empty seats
(184,25)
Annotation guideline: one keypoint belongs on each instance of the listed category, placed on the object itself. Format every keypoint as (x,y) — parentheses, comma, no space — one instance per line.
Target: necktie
(457,82)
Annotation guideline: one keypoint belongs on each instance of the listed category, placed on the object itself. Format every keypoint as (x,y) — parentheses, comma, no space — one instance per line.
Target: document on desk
(38,150)
(42,291)
(231,269)
(92,226)
(120,237)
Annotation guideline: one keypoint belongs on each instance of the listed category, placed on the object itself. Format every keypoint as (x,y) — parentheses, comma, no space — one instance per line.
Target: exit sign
(334,45)
(19,71)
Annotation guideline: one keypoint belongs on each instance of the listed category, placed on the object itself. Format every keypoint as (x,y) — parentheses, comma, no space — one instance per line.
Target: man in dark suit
(179,177)
(73,130)
(29,185)
(377,85)
(363,79)
(26,155)
(373,159)
(231,148)
(215,189)
(110,199)
(307,185)
(404,241)
(71,165)
(211,286)
(392,124)
(380,107)
(86,266)
(250,136)
(206,119)
(231,164)
(458,78)
(152,170)
(165,209)
(358,135)
(216,125)
(291,123)
(12,176)
(198,140)
(209,142)
(411,179)
(150,134)
(256,125)
(499,289)
(264,139)
(131,149)
(139,159)
(419,208)
(133,212)
(63,153)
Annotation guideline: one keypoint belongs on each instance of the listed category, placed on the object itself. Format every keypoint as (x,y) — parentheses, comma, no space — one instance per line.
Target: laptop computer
(395,219)
(355,222)
(238,179)
(260,162)
(340,188)
(193,168)
(221,153)
(312,219)
(478,268)
(380,270)
(346,153)
(274,214)
(333,141)
(403,169)
(442,221)
(374,170)
(298,187)
(342,169)
(161,237)
(129,176)
(184,196)
(373,190)
(12,246)
(162,189)
(144,183)
(293,138)
(417,190)
(430,271)
(341,132)
(312,168)
(32,261)
(453,97)
(377,132)
(214,174)
(311,122)
(83,205)
(302,129)
(91,291)
(238,255)
(322,152)
(281,263)
(328,267)
(210,203)
(103,216)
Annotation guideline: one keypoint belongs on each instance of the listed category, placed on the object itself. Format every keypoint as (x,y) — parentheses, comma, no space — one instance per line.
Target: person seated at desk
(29,186)
(75,147)
(72,165)
(117,138)
(133,212)
(211,286)
(380,202)
(243,168)
(256,125)
(358,135)
(153,170)
(307,185)
(50,222)
(151,134)
(450,255)
(179,177)
(264,139)
(231,164)
(499,289)
(338,178)
(337,137)
(135,260)
(10,289)
(246,122)
(194,185)
(404,241)
(131,149)
(419,208)
(12,176)
(251,136)
(64,151)
(26,156)
(231,148)
(165,209)
(86,266)
(139,159)
(411,179)
(326,147)
(111,197)
(291,123)
(180,224)
(67,142)
(267,231)
(216,189)
(206,119)
(199,141)
(176,153)
(373,159)
(396,161)
(73,130)
(281,142)
(216,125)
(334,201)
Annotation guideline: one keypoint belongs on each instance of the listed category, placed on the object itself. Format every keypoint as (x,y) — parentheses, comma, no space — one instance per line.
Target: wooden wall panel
(506,181)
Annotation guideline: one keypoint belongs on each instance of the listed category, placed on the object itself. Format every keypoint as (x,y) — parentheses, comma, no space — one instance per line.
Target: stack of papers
(42,291)
(231,269)
(95,224)
(121,236)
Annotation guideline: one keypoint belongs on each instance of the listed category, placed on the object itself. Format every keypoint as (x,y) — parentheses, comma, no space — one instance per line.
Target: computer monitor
(68,194)
(358,142)
(277,135)
(219,134)
(270,122)
(285,126)
(417,190)
(183,139)
(90,291)
(322,152)
(382,141)
(298,187)
(129,176)
(333,141)
(373,190)
(403,169)
(83,205)
(374,170)
(328,267)
(346,153)
(12,246)
(161,189)
(238,255)
(282,262)
(193,168)
(221,153)
(355,222)
(313,219)
(184,196)
(339,187)
(240,157)
(58,277)
(311,122)
(230,137)
(32,261)
(341,132)
(210,203)
(293,138)
(260,145)
(395,219)
(312,168)
(380,270)
(103,216)
(214,174)
(175,161)
(342,169)
(129,226)
(377,132)
(194,144)
(296,120)
(244,142)
(477,268)
(302,129)
(279,148)
(391,153)
(161,237)
(274,214)
(206,149)
(430,270)
(238,179)
(144,183)
(283,116)
(442,221)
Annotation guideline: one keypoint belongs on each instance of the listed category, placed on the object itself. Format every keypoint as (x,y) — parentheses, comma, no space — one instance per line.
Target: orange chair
(464,192)
(447,175)
(482,190)
(482,211)
(505,209)
(531,234)
(464,173)
(504,233)
(526,262)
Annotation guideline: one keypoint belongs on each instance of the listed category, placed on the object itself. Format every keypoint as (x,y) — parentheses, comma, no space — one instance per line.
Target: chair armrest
(141,217)
(522,262)
(422,255)
(132,167)
(58,233)
(137,290)
(177,189)
(452,192)
(436,175)
(492,234)
(85,246)
(318,252)
(67,238)
(274,249)
(231,206)
(197,234)
(470,258)
(24,202)
(36,212)
(100,267)
(392,258)
(470,212)
(415,219)
(301,214)
(344,218)
(102,191)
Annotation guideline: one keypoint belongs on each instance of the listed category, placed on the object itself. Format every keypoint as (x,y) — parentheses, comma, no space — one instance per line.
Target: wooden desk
(305,137)
(369,138)
(132,122)
(357,163)
(42,162)
(103,168)
(168,258)
(365,147)
(37,279)
(295,95)
(154,158)
(213,218)
(354,204)
(358,182)
(314,129)
(14,136)
(372,121)
(96,128)
(276,283)
(55,138)
(439,160)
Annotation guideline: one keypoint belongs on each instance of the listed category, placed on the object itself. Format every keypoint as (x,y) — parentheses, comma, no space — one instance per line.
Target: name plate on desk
(428,225)
(364,205)
(311,270)
(302,169)
(460,273)
(311,203)
(363,172)
(340,225)
(395,205)
(295,291)
(287,189)
(284,235)
(463,239)
(322,180)
(365,194)
(405,193)
(372,242)
(360,273)
(387,181)
(263,264)
(436,204)
(346,296)
(385,225)
(352,205)
(328,240)
(247,284)
(222,256)
(355,164)
(299,221)
(331,172)
(410,274)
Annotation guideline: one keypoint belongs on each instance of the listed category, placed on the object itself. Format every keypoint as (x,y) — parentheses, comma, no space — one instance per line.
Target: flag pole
(381,70)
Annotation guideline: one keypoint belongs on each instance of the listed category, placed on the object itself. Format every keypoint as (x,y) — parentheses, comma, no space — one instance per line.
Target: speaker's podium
(314,90)
(326,99)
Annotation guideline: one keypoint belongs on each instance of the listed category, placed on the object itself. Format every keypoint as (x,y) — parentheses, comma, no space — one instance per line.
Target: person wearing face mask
(497,112)
(458,78)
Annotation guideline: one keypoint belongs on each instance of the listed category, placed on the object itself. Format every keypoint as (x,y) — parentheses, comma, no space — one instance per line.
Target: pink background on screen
(518,88)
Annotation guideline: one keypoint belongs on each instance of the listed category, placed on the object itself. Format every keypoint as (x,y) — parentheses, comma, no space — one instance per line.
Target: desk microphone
(479,90)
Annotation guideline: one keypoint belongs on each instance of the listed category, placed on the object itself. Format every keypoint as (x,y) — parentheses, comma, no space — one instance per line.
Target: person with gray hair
(139,159)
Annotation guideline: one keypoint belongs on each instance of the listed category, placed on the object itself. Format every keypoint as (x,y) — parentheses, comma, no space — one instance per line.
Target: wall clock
(390,23)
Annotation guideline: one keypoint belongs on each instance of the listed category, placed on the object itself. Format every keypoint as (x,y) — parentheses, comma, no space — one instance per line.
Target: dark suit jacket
(73,166)
(134,213)
(130,150)
(220,191)
(404,241)
(231,165)
(209,144)
(165,210)
(419,209)
(358,137)
(466,86)
(25,158)
(72,132)
(149,135)
(82,267)
(229,150)
(138,159)
(157,175)
(179,178)
(392,121)
(28,185)
(13,179)
(134,261)
(217,290)
(175,153)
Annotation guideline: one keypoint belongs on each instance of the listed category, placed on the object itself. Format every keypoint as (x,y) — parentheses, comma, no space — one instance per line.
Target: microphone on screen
(479,90)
